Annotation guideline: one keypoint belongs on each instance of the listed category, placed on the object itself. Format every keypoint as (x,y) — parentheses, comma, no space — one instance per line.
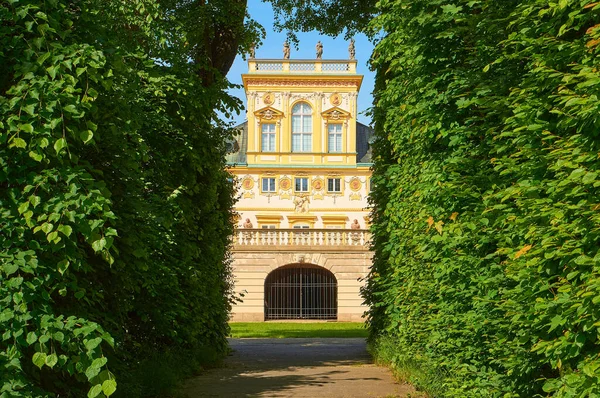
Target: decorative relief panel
(247,186)
(355,184)
(317,186)
(285,187)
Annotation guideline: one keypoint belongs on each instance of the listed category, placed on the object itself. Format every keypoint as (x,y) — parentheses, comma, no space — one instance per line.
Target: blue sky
(333,48)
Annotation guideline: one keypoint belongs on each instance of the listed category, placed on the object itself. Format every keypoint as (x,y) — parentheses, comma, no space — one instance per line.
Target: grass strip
(297,330)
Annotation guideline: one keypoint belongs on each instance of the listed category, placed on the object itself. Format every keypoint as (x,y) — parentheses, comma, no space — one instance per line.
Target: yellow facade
(286,185)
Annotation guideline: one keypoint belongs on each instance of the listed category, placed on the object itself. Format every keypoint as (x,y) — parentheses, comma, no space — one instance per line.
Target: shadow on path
(297,368)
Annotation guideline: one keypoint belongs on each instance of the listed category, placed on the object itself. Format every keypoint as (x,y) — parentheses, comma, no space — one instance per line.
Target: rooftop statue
(319,50)
(286,50)
(253,50)
(351,50)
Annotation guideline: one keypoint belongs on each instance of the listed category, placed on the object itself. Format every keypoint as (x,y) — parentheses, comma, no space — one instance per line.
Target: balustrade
(282,239)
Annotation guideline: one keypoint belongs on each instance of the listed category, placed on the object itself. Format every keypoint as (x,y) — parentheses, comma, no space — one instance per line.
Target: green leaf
(86,136)
(71,109)
(18,142)
(60,144)
(43,57)
(65,229)
(39,359)
(109,387)
(93,343)
(10,268)
(35,200)
(31,338)
(51,360)
(95,391)
(23,207)
(99,244)
(52,71)
(36,156)
(27,127)
(62,266)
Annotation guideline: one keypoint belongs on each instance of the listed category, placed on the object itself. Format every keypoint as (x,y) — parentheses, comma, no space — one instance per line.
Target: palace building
(302,163)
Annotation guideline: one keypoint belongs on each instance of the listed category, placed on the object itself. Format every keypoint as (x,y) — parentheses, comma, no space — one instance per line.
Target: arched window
(301,127)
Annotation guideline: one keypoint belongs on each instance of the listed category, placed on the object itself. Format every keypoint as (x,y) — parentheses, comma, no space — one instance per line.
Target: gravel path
(297,368)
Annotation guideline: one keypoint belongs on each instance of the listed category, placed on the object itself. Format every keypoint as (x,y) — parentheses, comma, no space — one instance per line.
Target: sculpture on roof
(351,50)
(319,50)
(253,50)
(286,50)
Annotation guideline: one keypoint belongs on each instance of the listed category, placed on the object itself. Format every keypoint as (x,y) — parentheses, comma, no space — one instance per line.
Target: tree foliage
(115,205)
(485,208)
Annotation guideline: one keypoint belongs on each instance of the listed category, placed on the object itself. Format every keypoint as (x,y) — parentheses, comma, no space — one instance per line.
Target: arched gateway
(301,291)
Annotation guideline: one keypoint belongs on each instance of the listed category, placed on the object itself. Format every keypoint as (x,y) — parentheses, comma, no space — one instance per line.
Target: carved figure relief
(301,204)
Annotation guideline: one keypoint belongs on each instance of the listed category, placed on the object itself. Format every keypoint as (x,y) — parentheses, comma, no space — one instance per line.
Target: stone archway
(301,291)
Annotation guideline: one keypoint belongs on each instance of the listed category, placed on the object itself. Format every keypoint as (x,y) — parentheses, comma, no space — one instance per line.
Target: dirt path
(297,368)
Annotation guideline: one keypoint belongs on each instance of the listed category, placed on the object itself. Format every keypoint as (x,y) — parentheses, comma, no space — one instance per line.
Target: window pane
(296,143)
(306,142)
(272,142)
(296,120)
(307,124)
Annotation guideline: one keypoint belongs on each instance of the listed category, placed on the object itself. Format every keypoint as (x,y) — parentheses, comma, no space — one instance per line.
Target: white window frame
(303,184)
(271,186)
(334,131)
(331,185)
(268,137)
(302,111)
(301,226)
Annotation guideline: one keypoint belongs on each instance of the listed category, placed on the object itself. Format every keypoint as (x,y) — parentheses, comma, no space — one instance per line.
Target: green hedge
(115,205)
(486,280)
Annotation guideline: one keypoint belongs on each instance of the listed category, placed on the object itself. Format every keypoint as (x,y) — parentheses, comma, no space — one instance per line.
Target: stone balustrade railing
(301,66)
(301,239)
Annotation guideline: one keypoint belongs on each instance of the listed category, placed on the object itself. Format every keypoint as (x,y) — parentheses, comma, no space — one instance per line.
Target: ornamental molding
(302,83)
(268,113)
(336,114)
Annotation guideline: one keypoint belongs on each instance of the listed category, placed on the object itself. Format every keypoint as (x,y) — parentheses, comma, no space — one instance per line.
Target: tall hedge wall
(115,204)
(486,281)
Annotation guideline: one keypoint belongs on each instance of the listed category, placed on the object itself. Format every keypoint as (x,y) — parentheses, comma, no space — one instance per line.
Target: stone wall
(251,269)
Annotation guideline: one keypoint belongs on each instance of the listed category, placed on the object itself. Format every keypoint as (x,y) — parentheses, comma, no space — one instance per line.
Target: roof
(238,146)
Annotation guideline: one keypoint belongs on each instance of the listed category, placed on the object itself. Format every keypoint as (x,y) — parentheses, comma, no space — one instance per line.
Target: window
(334,185)
(268,137)
(301,227)
(268,184)
(335,138)
(301,128)
(268,226)
(301,184)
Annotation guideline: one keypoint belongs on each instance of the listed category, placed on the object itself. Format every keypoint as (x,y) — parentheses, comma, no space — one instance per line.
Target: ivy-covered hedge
(115,205)
(486,280)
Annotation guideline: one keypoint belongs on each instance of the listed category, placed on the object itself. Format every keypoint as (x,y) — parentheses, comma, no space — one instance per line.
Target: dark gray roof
(239,145)
(364,134)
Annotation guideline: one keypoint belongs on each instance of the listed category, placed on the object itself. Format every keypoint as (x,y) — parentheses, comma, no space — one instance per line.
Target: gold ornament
(335,99)
(268,98)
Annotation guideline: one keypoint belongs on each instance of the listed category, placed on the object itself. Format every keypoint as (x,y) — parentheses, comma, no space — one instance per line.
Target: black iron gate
(300,292)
